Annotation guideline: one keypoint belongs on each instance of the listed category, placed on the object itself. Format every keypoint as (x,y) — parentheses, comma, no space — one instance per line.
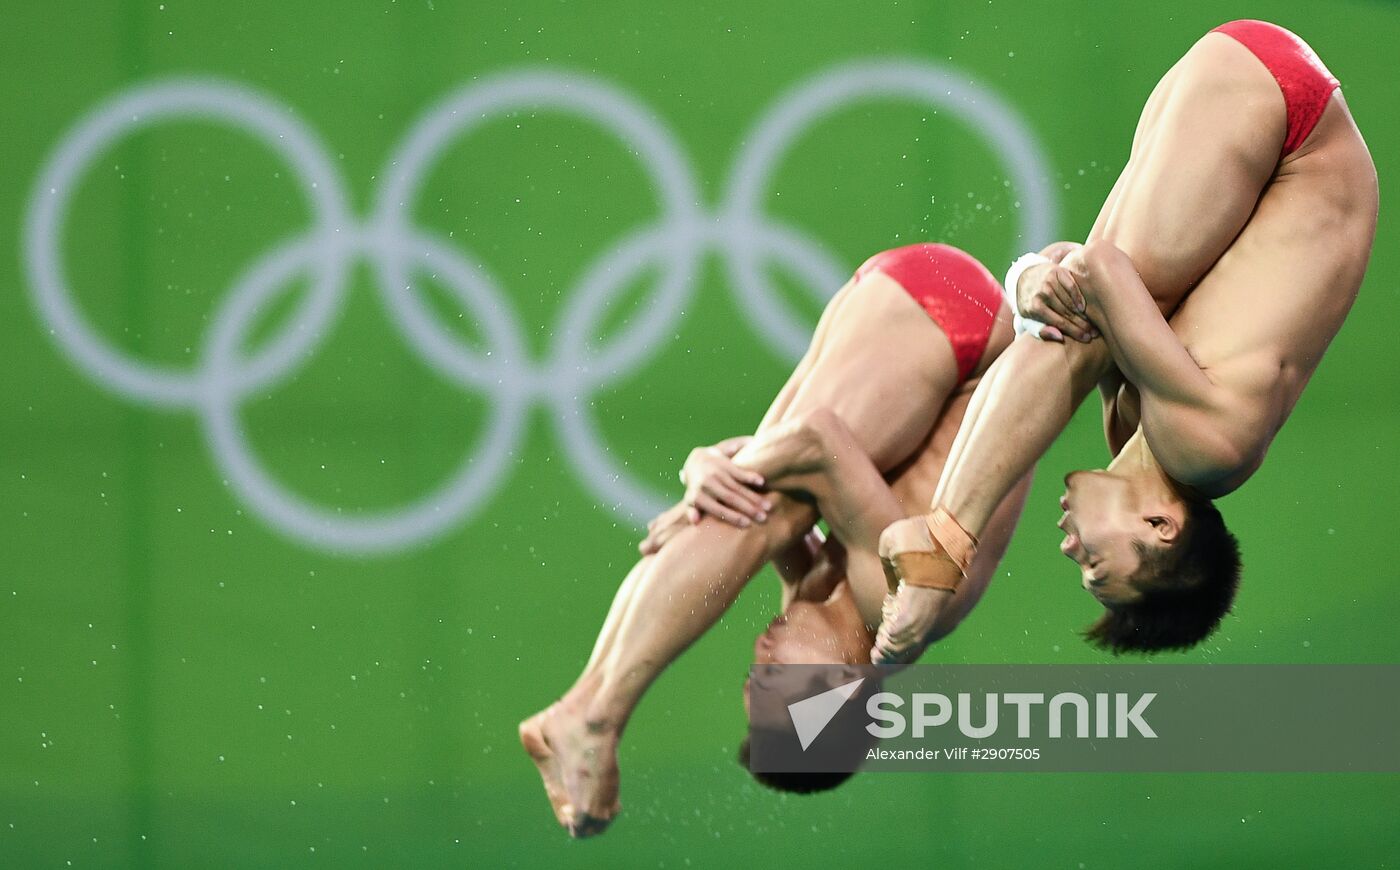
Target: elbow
(1099,255)
(1114,274)
(823,430)
(1222,461)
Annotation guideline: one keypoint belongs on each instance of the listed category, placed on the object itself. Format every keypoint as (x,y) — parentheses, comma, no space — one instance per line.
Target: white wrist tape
(1013,277)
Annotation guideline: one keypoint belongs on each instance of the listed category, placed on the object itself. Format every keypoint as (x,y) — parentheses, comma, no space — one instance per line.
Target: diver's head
(816,633)
(829,632)
(1155,555)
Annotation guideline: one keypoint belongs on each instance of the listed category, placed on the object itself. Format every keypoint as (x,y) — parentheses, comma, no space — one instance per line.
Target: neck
(1135,462)
(1135,455)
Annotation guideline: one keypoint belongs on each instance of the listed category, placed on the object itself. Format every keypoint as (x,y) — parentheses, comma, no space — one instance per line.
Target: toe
(589,826)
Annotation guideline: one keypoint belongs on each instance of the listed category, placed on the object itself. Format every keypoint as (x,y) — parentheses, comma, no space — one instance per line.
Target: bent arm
(816,457)
(1143,344)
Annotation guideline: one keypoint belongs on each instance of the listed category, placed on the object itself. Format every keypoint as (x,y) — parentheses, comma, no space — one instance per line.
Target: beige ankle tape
(952,538)
(926,571)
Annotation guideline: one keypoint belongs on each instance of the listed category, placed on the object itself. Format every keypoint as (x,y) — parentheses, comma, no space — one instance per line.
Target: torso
(1286,284)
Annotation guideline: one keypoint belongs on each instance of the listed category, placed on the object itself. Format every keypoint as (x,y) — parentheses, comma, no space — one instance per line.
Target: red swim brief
(958,292)
(1304,80)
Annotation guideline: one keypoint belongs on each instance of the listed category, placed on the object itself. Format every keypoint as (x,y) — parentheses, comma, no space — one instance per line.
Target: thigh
(884,368)
(1206,146)
(830,314)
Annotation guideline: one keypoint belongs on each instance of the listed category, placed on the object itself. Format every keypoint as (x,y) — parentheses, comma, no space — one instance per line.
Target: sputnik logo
(811,716)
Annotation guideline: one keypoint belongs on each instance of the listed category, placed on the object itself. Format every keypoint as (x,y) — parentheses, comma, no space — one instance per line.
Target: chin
(1118,601)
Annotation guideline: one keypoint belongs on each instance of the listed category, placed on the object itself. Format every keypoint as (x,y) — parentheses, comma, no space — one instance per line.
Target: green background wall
(181,684)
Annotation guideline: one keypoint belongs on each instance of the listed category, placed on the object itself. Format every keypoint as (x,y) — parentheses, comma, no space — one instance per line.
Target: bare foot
(585,757)
(532,738)
(906,621)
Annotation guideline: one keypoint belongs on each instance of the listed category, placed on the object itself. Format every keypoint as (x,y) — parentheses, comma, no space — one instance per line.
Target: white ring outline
(230,105)
(361,532)
(978,108)
(456,116)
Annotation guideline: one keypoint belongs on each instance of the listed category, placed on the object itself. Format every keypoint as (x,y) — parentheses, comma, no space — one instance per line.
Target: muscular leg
(1206,145)
(882,367)
(831,314)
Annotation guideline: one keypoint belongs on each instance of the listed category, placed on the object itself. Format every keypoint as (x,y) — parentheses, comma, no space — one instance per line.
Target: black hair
(1186,589)
(797,782)
(844,743)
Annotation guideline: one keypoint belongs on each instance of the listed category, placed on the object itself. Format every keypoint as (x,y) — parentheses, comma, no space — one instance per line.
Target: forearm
(1022,404)
(1120,412)
(817,457)
(782,452)
(730,446)
(1143,345)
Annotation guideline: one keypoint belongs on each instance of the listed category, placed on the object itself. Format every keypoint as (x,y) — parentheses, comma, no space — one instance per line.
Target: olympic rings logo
(576,367)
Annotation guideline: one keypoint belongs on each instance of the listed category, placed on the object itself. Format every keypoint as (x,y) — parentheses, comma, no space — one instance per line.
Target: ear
(1165,527)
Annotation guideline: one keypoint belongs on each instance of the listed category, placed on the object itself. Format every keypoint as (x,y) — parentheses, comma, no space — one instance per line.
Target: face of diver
(1107,518)
(815,632)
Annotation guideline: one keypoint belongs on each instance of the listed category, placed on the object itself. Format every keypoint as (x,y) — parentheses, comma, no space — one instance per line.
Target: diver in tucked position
(882,388)
(1250,195)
